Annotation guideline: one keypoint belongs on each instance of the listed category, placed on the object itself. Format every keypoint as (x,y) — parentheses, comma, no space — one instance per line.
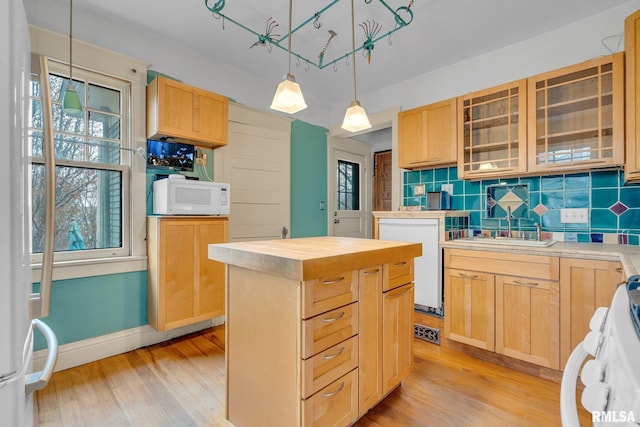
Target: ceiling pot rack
(402,16)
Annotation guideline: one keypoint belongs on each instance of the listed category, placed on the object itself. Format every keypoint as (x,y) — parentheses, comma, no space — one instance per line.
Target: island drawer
(397,274)
(334,405)
(328,292)
(327,366)
(328,329)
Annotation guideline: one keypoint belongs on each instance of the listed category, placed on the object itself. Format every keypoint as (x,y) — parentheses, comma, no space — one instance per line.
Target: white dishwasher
(428,267)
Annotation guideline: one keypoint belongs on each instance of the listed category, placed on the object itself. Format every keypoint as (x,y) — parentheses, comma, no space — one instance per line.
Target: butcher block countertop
(310,257)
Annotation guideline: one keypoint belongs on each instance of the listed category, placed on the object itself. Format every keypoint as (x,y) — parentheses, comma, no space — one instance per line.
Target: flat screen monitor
(170,155)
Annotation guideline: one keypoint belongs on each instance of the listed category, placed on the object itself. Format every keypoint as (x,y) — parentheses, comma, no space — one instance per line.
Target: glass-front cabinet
(576,116)
(492,131)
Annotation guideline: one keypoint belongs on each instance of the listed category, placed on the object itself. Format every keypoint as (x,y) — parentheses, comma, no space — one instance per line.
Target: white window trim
(91,57)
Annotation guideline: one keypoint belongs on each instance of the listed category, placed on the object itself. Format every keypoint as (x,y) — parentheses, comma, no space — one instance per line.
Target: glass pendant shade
(288,97)
(355,119)
(71,102)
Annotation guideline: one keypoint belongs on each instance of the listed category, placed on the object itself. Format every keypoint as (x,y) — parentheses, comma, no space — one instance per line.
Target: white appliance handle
(568,406)
(39,380)
(40,301)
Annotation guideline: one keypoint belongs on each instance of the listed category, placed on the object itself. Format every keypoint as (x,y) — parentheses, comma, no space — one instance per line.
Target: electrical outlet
(448,188)
(574,216)
(418,189)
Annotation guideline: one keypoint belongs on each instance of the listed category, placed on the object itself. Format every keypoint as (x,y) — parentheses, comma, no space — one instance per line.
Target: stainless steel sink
(515,241)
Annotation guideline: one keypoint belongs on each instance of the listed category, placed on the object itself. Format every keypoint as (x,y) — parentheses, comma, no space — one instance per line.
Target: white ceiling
(442,32)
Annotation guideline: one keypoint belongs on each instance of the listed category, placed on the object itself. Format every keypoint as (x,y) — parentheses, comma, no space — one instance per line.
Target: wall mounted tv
(170,155)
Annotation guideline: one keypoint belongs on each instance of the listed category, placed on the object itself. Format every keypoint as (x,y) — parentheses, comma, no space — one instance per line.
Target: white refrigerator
(17,303)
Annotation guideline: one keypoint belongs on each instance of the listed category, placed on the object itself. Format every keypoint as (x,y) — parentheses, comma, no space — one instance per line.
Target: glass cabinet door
(576,116)
(492,132)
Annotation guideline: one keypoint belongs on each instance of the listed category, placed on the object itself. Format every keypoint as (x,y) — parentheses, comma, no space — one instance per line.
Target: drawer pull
(333,282)
(333,393)
(468,276)
(333,319)
(619,270)
(400,264)
(333,356)
(519,282)
(372,271)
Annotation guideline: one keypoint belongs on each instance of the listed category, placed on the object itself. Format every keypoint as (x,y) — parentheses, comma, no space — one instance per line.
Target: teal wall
(614,209)
(308,180)
(92,306)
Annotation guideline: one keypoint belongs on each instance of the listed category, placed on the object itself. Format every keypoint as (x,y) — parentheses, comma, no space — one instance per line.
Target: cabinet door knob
(468,276)
(520,282)
(333,356)
(333,393)
(372,271)
(333,319)
(333,281)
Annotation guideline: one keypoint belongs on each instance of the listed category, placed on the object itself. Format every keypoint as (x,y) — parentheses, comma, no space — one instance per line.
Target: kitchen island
(319,329)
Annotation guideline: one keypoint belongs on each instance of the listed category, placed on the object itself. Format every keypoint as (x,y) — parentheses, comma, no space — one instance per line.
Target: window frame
(59,69)
(133,71)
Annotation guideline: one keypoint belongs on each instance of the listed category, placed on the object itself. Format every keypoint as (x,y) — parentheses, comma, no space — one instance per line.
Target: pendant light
(71,102)
(355,119)
(288,97)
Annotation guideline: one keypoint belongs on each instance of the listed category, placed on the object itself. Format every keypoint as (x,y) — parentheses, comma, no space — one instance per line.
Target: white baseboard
(92,349)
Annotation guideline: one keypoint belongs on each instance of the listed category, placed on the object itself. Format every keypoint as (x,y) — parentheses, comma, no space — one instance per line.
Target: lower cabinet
(586,285)
(469,307)
(184,285)
(507,304)
(397,336)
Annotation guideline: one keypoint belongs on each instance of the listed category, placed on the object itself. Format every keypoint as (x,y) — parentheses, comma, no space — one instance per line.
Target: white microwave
(179,196)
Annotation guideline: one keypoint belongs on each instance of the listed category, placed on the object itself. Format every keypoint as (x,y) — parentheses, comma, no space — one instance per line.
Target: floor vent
(426,333)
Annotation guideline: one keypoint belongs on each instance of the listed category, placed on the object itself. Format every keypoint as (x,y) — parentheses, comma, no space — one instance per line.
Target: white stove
(612,377)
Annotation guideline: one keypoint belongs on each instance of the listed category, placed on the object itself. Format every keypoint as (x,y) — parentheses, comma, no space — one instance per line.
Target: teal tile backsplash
(614,209)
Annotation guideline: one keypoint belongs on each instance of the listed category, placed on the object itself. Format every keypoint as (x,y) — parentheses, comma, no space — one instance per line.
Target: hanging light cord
(289,40)
(70,41)
(353,50)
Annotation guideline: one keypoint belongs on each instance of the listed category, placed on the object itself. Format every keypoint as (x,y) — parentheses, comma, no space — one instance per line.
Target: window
(348,186)
(92,176)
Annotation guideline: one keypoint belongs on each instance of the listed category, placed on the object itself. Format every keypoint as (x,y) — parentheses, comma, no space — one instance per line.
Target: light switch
(574,216)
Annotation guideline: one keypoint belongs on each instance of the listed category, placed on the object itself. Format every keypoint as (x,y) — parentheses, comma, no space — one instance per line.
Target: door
(349,188)
(256,163)
(382,171)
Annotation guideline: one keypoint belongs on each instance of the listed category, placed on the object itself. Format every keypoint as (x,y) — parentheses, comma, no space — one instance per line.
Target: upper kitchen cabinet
(576,116)
(186,114)
(632,73)
(492,131)
(427,135)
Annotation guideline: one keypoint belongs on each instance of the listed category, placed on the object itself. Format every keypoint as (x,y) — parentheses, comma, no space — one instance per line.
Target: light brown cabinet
(586,285)
(186,114)
(184,286)
(469,307)
(576,116)
(632,81)
(492,131)
(507,304)
(427,135)
(397,336)
(321,338)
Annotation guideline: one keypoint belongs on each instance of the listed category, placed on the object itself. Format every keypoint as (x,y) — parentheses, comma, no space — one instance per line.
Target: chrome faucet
(538,231)
(509,217)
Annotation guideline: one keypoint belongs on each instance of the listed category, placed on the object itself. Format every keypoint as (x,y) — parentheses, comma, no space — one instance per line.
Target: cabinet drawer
(328,292)
(334,405)
(327,366)
(397,274)
(534,266)
(328,329)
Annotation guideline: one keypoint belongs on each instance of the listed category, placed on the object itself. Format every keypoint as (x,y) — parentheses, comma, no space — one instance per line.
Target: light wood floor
(181,383)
